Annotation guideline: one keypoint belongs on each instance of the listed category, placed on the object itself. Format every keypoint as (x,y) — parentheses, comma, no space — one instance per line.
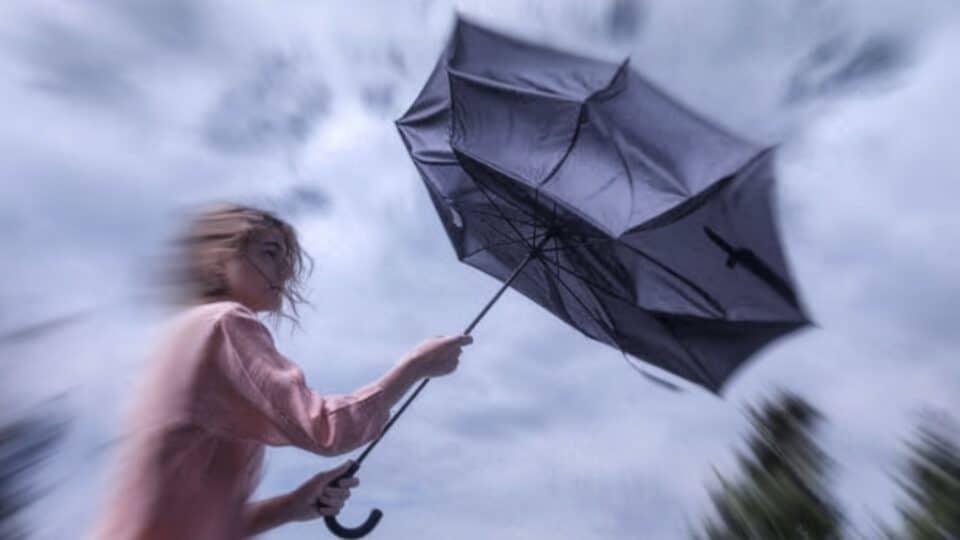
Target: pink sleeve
(273,403)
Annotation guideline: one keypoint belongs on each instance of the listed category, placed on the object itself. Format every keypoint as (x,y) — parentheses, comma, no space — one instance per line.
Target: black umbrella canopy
(652,229)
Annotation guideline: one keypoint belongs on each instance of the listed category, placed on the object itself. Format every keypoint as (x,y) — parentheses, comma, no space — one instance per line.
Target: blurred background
(120,114)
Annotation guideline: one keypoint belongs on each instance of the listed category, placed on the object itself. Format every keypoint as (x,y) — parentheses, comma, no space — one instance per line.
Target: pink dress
(216,393)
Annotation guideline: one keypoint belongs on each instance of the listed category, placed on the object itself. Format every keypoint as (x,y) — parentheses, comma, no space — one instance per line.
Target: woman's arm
(263,396)
(401,377)
(272,404)
(266,514)
(301,503)
(261,516)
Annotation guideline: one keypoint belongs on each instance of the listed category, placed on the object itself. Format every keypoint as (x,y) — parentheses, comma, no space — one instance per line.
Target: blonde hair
(221,231)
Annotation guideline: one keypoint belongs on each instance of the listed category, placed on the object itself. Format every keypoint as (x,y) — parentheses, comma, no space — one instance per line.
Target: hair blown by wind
(216,233)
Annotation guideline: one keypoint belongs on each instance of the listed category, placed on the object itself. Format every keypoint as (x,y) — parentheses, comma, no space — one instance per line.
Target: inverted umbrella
(585,188)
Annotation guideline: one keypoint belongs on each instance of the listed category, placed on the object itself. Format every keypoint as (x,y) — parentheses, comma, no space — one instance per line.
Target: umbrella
(587,189)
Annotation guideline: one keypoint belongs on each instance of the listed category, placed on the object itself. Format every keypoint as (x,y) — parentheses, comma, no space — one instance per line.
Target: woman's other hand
(438,355)
(303,500)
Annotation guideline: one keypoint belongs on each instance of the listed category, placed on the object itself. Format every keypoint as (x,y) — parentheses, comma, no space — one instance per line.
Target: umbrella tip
(661,382)
(652,378)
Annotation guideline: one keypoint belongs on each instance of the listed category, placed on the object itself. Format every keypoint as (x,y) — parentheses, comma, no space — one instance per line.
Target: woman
(218,391)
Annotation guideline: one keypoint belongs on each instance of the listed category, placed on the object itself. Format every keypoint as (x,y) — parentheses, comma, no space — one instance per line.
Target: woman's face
(255,276)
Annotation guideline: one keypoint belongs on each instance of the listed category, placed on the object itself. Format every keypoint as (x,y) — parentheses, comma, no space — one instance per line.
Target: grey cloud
(395,57)
(307,198)
(838,65)
(278,105)
(624,19)
(499,423)
(379,97)
(377,69)
(179,26)
(299,200)
(922,297)
(72,63)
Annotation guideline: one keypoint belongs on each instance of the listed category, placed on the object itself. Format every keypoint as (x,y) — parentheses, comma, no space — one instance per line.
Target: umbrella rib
(607,184)
(557,265)
(577,298)
(536,201)
(555,239)
(586,309)
(599,302)
(704,372)
(666,176)
(566,154)
(497,208)
(592,283)
(573,251)
(556,256)
(501,217)
(630,180)
(506,200)
(706,296)
(554,293)
(488,214)
(520,208)
(506,234)
(607,313)
(435,163)
(577,244)
(494,245)
(576,274)
(509,239)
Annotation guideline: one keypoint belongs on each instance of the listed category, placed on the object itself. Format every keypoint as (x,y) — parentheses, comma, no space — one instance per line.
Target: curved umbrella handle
(356,532)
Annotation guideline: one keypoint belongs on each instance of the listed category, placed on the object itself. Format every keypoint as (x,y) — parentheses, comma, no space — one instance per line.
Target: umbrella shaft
(516,272)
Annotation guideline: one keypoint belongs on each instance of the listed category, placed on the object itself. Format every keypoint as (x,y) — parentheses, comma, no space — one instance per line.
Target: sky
(122,114)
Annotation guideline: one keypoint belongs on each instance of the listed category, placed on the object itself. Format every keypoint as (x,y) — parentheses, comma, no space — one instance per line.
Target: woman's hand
(438,355)
(303,500)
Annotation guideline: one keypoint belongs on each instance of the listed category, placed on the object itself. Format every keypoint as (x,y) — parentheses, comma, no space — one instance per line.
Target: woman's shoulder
(219,321)
(230,308)
(217,313)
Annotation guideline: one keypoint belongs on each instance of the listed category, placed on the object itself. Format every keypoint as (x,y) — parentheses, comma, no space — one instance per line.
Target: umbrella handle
(346,532)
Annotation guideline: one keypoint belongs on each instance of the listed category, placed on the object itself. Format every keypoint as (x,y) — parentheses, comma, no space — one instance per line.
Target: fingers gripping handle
(356,532)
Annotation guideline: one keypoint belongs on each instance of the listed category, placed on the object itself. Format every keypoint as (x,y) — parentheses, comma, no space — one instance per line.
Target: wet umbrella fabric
(588,190)
(663,241)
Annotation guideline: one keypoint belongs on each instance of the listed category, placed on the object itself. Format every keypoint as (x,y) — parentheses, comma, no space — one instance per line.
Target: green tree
(932,485)
(781,491)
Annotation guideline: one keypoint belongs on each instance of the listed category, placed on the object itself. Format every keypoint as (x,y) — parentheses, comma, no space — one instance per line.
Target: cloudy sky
(120,114)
